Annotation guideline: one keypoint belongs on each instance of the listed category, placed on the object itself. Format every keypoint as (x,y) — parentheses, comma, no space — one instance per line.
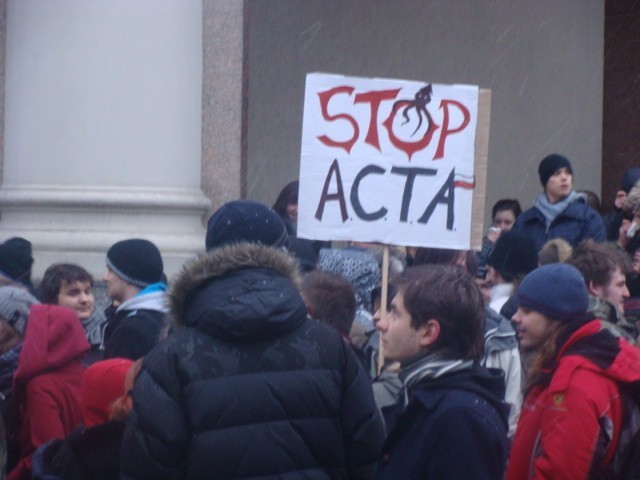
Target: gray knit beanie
(15,305)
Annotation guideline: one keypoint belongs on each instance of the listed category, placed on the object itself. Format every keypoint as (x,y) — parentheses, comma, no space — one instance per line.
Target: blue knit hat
(245,221)
(556,290)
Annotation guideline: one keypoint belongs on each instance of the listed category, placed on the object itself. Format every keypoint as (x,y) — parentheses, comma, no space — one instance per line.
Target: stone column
(224,103)
(102,128)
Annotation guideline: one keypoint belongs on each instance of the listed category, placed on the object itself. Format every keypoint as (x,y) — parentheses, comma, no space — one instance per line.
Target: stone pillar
(224,103)
(102,128)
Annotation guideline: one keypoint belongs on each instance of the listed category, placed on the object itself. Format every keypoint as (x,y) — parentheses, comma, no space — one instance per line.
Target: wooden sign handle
(383,300)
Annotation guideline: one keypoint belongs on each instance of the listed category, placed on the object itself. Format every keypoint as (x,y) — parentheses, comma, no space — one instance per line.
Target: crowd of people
(273,356)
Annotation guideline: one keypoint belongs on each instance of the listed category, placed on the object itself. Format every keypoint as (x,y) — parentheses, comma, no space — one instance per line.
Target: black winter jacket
(454,428)
(137,326)
(251,388)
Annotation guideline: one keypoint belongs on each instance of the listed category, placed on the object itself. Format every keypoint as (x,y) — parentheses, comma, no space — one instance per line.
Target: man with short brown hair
(452,419)
(604,268)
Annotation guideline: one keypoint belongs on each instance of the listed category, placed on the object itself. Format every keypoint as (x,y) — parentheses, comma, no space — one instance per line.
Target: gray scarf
(550,211)
(92,328)
(428,365)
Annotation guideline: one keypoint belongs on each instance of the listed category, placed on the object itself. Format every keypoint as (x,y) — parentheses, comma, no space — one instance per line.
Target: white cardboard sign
(388,161)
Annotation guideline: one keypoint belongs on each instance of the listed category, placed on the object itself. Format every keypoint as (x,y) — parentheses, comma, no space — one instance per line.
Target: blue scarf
(154,287)
(550,211)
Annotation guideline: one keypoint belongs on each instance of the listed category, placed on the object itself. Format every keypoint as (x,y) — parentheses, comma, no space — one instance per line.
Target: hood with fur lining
(241,291)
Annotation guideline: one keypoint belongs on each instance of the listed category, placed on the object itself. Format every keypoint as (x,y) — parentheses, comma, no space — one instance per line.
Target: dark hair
(506,204)
(598,261)
(56,275)
(445,256)
(331,299)
(288,195)
(593,200)
(376,296)
(450,296)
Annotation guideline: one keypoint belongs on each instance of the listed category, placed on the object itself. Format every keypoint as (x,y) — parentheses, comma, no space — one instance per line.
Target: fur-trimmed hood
(240,291)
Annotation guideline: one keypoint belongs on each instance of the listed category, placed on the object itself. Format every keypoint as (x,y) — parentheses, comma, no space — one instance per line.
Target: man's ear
(429,332)
(594,289)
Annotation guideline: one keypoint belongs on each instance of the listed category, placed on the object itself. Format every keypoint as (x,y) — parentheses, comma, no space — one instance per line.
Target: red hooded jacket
(47,383)
(565,423)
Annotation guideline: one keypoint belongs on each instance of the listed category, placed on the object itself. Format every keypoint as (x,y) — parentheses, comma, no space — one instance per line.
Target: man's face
(636,262)
(116,287)
(615,292)
(485,288)
(559,185)
(400,341)
(493,276)
(532,328)
(77,296)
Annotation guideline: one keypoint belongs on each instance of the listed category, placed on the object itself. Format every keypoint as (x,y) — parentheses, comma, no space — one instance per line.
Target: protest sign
(389,161)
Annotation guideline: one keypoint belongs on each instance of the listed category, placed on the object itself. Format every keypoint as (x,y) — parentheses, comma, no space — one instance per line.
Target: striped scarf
(428,365)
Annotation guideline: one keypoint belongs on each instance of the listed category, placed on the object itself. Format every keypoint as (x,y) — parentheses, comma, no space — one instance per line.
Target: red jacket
(565,422)
(47,383)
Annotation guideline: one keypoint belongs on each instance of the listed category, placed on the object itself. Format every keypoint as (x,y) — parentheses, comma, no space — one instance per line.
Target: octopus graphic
(419,103)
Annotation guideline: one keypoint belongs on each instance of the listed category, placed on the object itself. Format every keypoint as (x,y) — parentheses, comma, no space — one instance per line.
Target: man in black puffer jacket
(250,387)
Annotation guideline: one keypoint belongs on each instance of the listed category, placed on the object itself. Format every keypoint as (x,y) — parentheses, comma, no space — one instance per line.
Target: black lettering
(411,173)
(445,196)
(355,199)
(339,195)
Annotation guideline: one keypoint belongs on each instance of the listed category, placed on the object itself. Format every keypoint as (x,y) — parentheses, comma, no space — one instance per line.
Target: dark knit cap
(514,253)
(556,290)
(550,165)
(245,221)
(136,261)
(629,179)
(16,260)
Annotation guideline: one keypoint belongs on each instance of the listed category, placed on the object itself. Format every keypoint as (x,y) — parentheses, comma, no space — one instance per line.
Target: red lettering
(324,102)
(408,147)
(444,105)
(375,99)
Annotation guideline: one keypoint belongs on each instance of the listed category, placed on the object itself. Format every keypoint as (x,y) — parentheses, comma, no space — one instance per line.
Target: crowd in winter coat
(245,384)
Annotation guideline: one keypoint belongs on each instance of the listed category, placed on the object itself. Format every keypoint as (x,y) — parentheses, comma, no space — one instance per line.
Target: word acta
(444,196)
(374,99)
